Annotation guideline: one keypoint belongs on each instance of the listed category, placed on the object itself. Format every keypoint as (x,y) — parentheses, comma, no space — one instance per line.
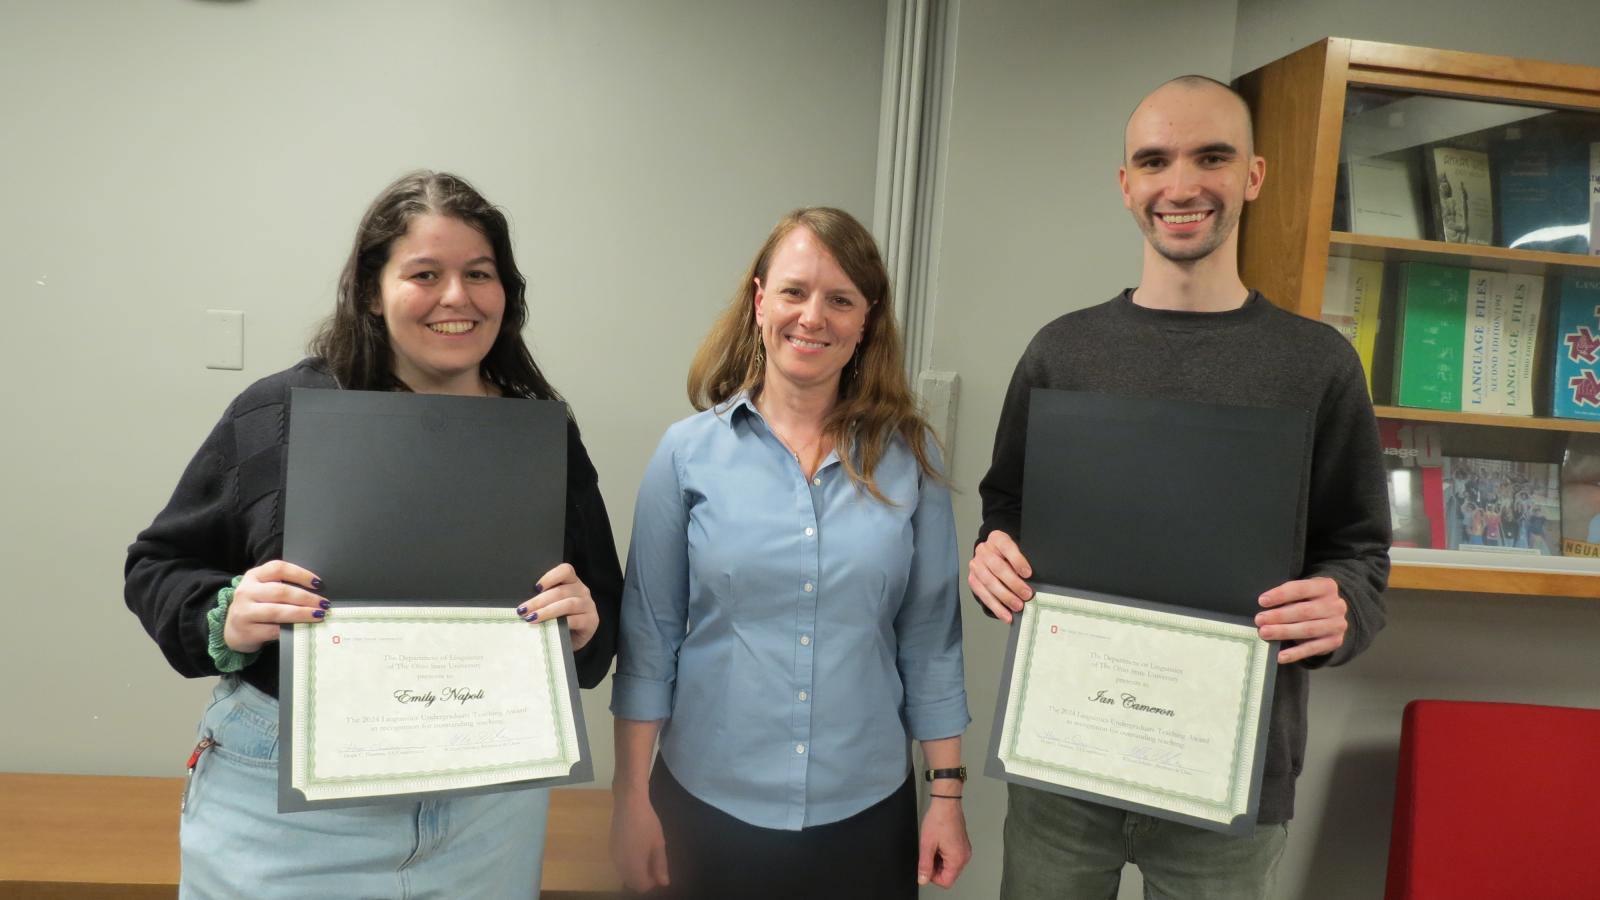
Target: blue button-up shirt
(794,632)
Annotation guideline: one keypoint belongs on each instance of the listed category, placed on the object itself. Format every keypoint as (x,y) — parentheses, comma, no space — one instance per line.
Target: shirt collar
(737,407)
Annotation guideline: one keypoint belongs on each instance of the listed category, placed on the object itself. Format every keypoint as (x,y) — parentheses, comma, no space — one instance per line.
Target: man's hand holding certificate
(1157,709)
(1138,673)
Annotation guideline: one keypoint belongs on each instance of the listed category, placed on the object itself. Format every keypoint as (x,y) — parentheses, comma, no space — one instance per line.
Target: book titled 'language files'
(1468,339)
(1576,391)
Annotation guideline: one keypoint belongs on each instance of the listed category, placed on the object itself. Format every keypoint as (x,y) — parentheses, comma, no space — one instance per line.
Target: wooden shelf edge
(1464,251)
(1532,423)
(1473,580)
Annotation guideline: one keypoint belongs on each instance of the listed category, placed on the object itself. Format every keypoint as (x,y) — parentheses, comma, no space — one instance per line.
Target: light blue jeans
(236,844)
(1062,848)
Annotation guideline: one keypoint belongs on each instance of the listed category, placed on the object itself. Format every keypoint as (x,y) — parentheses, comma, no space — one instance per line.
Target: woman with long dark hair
(430,301)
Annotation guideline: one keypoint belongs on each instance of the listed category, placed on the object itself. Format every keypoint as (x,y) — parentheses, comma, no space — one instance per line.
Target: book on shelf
(1480,349)
(1576,388)
(1594,198)
(1431,336)
(1414,468)
(1502,506)
(1519,341)
(1542,195)
(1580,497)
(1501,340)
(1351,298)
(1383,196)
(1458,195)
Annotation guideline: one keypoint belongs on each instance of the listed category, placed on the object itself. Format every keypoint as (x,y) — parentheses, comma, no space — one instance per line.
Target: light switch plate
(224,339)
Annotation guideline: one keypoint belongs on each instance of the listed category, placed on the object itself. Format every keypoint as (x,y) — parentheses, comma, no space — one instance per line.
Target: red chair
(1496,800)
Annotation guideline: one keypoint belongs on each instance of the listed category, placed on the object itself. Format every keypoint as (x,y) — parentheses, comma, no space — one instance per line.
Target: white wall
(165,157)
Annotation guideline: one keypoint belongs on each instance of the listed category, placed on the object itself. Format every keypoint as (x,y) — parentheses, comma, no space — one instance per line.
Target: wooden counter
(97,837)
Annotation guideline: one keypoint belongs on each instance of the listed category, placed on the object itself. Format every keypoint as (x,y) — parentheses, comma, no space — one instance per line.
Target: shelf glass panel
(1457,171)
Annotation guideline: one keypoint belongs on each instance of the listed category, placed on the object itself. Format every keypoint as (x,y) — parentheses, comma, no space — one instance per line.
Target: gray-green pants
(1060,848)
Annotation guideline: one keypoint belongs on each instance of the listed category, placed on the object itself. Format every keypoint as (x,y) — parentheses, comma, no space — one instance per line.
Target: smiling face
(1189,169)
(811,315)
(441,301)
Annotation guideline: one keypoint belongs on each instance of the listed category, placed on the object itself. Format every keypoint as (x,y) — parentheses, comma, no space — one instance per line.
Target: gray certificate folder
(1175,502)
(394,498)
(1172,506)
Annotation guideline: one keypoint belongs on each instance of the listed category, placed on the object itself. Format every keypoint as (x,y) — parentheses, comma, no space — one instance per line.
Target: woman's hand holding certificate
(397,700)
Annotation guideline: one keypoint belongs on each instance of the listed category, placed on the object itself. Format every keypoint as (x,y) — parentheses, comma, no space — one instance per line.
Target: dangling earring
(855,365)
(761,353)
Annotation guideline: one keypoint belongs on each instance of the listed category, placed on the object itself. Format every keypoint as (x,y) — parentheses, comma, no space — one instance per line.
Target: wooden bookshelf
(1482,580)
(1475,256)
(1532,423)
(1287,237)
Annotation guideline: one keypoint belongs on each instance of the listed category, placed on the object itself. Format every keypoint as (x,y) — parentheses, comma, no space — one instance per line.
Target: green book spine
(1433,328)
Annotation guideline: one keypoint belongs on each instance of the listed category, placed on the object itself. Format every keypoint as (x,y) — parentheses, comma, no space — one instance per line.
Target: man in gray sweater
(1193,330)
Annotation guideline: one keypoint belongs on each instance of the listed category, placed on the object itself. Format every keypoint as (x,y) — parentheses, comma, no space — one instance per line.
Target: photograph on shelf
(1458,195)
(1580,497)
(1542,194)
(1383,196)
(1502,506)
(1351,298)
(1576,387)
(1432,326)
(1414,468)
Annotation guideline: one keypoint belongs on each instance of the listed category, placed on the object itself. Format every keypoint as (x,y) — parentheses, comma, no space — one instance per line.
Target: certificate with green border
(1138,705)
(392,701)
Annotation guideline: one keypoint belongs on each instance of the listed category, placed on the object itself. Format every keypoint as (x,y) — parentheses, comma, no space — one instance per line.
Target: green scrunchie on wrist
(226,658)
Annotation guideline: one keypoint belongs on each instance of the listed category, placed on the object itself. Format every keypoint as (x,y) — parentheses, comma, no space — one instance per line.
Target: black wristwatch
(959,773)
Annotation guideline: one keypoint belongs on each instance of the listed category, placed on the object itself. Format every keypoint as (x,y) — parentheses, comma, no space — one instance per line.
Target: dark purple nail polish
(325,604)
(534,616)
(538,589)
(318,613)
(522,610)
(316,584)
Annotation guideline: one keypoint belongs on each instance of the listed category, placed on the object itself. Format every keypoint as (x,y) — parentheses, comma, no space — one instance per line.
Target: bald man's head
(1198,83)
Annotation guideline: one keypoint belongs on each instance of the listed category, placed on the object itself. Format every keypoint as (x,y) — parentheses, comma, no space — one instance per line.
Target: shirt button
(810,532)
(799,748)
(817,481)
(802,695)
(805,640)
(808,587)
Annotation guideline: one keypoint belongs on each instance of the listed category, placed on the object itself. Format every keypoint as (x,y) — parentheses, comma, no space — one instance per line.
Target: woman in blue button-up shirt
(790,617)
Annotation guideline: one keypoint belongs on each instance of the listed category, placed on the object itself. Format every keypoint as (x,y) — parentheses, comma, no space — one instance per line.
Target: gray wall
(166,157)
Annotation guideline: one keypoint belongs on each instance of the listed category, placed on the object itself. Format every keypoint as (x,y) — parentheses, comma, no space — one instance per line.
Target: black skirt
(713,856)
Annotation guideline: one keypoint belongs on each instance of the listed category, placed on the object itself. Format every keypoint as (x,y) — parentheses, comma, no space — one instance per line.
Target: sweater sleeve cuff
(640,699)
(226,658)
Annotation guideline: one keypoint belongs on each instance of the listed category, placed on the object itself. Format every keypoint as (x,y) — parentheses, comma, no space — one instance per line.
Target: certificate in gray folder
(1135,677)
(428,519)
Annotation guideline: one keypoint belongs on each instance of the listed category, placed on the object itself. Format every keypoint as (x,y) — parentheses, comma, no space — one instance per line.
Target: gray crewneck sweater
(1256,355)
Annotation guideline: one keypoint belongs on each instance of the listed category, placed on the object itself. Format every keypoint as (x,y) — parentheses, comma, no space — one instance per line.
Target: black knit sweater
(226,516)
(1257,355)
